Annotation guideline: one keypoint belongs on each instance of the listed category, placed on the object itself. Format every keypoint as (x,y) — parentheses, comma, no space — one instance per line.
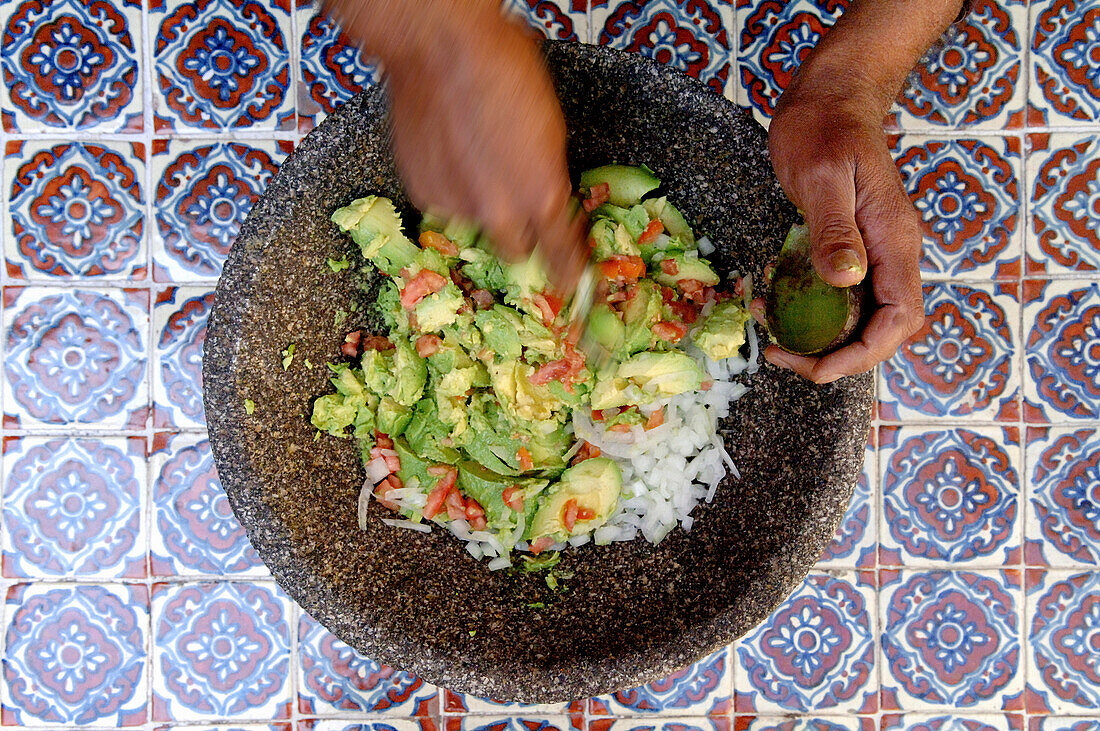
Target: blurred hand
(831,157)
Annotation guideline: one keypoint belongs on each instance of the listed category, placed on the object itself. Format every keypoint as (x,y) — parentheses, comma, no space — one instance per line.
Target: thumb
(839,255)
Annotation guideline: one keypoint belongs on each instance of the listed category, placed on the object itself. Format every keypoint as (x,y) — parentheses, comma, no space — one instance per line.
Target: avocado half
(805,314)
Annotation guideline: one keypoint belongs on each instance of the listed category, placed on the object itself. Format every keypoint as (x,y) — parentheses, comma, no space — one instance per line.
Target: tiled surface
(962,590)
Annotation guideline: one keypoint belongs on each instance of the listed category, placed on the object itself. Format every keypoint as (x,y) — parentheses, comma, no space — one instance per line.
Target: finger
(887,329)
(803,365)
(562,242)
(837,248)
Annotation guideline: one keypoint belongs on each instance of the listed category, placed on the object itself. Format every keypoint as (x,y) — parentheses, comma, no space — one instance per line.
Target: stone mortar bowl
(633,612)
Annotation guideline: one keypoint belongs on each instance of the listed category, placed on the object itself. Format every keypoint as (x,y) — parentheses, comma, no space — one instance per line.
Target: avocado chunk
(410,374)
(723,331)
(671,218)
(806,314)
(391,417)
(639,314)
(426,431)
(606,327)
(439,309)
(687,267)
(487,487)
(594,486)
(374,225)
(634,220)
(644,377)
(500,329)
(627,183)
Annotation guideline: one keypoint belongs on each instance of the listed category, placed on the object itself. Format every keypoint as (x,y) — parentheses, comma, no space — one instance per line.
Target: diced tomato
(483,298)
(441,470)
(474,509)
(686,311)
(545,309)
(513,498)
(569,514)
(479,523)
(706,385)
(655,419)
(668,295)
(621,428)
(597,415)
(587,451)
(424,283)
(597,196)
(525,461)
(383,488)
(670,267)
(756,310)
(585,513)
(623,268)
(428,345)
(393,463)
(382,441)
(672,332)
(350,346)
(455,505)
(652,231)
(739,286)
(376,342)
(435,500)
(541,544)
(439,242)
(693,289)
(555,370)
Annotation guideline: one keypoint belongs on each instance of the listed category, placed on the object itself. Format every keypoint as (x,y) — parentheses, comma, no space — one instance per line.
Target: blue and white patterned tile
(562,20)
(1064,494)
(704,688)
(855,541)
(972,77)
(75,358)
(458,703)
(664,723)
(194,531)
(771,40)
(77,210)
(967,192)
(803,723)
(390,724)
(816,653)
(75,655)
(286,726)
(204,191)
(333,69)
(335,678)
(950,495)
(1062,382)
(221,650)
(179,328)
(1063,723)
(1065,81)
(221,64)
(690,35)
(964,361)
(950,639)
(73,507)
(508,723)
(952,722)
(71,64)
(1064,183)
(1064,609)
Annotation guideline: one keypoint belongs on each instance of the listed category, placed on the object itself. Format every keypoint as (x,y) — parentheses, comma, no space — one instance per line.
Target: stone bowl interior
(632,612)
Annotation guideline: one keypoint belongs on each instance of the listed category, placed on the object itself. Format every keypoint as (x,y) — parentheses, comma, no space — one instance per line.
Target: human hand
(833,162)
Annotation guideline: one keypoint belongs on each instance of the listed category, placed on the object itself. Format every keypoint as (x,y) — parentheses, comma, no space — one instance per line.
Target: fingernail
(845,260)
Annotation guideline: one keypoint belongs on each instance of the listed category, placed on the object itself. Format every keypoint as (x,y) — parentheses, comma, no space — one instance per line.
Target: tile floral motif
(1064,179)
(333,69)
(525,723)
(75,357)
(689,35)
(967,195)
(1064,723)
(704,688)
(204,192)
(962,362)
(1065,477)
(335,678)
(76,210)
(950,495)
(950,638)
(1065,72)
(75,655)
(194,531)
(71,64)
(816,651)
(390,724)
(803,723)
(923,722)
(665,723)
(854,542)
(971,76)
(563,20)
(1063,370)
(467,703)
(221,650)
(73,507)
(222,64)
(1064,627)
(179,322)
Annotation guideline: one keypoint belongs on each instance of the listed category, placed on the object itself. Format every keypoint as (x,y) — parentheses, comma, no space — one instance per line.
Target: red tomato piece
(621,428)
(541,544)
(672,332)
(513,498)
(393,463)
(479,523)
(435,500)
(670,267)
(383,488)
(455,505)
(439,242)
(555,370)
(483,298)
(525,461)
(655,419)
(423,284)
(652,231)
(382,441)
(350,346)
(686,311)
(597,415)
(626,268)
(376,342)
(545,309)
(693,289)
(569,514)
(474,509)
(428,345)
(585,513)
(597,196)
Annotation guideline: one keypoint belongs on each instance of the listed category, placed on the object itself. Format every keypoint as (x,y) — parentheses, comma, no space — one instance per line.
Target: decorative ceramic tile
(773,38)
(702,689)
(75,357)
(971,76)
(1064,723)
(689,35)
(815,653)
(525,723)
(221,64)
(220,650)
(952,722)
(75,655)
(1065,81)
(1063,371)
(950,495)
(204,191)
(855,540)
(179,329)
(963,362)
(337,679)
(390,724)
(71,64)
(1064,478)
(1064,182)
(563,20)
(803,723)
(950,639)
(466,703)
(73,507)
(1065,623)
(967,194)
(664,723)
(77,210)
(332,68)
(287,726)
(194,531)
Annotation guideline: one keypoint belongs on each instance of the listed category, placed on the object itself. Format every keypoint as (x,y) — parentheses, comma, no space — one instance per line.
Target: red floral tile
(1064,184)
(1063,351)
(1065,81)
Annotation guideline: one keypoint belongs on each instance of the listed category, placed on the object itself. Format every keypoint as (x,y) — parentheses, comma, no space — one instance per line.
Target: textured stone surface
(634,612)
